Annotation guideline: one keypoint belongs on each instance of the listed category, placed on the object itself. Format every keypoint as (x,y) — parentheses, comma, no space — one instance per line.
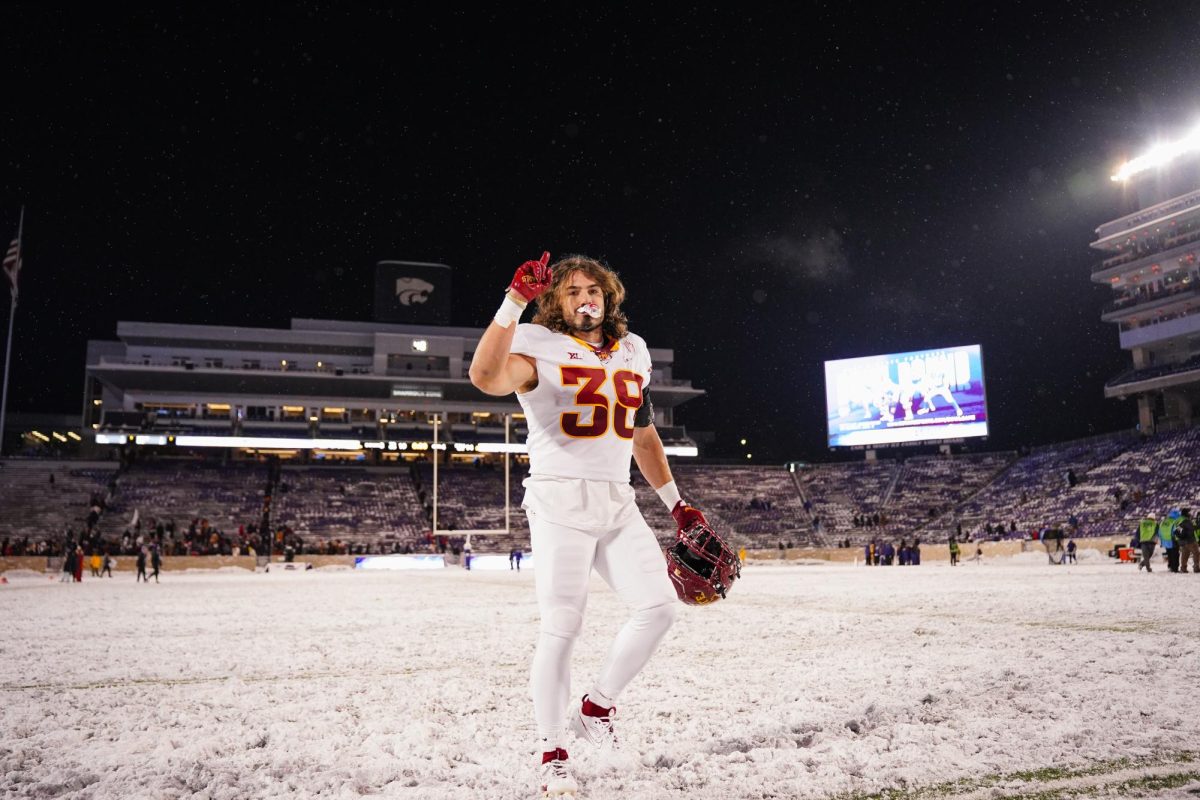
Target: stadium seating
(33,507)
(1118,478)
(1034,492)
(357,505)
(471,498)
(226,495)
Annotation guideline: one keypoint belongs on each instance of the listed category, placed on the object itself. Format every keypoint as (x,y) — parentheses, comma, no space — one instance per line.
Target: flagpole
(12,313)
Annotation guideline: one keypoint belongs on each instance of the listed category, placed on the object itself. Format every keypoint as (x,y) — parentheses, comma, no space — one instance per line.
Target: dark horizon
(775,191)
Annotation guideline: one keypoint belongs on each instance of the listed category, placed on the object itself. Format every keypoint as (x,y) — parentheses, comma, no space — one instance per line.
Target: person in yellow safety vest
(1147,531)
(1166,535)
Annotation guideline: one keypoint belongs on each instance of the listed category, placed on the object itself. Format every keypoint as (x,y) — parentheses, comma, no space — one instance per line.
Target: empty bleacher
(31,506)
(351,504)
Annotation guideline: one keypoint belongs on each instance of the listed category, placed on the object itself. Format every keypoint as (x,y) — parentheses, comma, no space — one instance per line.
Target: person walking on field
(1188,547)
(141,566)
(1147,533)
(1166,535)
(68,568)
(155,563)
(953,551)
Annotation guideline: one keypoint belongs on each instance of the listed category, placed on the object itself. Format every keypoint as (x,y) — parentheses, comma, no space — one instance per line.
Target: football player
(935,386)
(582,380)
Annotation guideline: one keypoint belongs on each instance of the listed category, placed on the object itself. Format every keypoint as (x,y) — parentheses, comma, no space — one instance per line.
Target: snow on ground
(1002,678)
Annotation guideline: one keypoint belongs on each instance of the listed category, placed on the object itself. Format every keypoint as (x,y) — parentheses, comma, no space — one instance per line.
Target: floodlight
(1159,155)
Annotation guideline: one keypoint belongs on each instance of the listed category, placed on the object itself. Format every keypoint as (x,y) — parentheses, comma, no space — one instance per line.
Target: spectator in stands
(1147,533)
(141,565)
(953,551)
(1188,547)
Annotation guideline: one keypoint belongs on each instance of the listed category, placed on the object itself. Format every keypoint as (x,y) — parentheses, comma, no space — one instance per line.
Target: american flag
(12,264)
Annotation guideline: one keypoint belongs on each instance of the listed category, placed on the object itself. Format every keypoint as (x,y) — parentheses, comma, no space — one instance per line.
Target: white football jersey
(580,415)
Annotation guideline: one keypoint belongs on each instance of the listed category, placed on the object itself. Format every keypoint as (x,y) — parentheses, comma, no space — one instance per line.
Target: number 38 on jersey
(613,398)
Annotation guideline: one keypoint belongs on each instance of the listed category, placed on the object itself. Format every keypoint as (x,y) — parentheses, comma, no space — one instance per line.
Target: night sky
(775,187)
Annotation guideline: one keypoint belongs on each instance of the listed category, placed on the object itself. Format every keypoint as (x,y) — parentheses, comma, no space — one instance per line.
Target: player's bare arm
(650,457)
(495,370)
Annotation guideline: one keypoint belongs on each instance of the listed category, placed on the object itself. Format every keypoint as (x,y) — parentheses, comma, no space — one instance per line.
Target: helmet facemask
(701,565)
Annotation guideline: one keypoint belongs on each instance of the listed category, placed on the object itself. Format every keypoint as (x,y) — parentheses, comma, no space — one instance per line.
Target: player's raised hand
(531,279)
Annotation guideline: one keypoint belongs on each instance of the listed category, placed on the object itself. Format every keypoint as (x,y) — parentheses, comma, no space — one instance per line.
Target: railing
(1128,302)
(1162,253)
(1183,238)
(1117,261)
(359,369)
(1137,375)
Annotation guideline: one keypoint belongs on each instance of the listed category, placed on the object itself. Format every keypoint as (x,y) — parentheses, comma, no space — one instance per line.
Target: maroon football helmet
(701,566)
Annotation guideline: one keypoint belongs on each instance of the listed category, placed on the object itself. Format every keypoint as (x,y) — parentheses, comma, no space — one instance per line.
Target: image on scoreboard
(899,398)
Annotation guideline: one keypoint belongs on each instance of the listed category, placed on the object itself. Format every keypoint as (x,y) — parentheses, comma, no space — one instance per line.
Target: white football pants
(630,561)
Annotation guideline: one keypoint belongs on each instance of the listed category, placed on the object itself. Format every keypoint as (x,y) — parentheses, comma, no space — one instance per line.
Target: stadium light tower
(1159,155)
(1151,259)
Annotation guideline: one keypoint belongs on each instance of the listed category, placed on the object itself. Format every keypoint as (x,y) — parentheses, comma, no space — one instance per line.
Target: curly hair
(549,304)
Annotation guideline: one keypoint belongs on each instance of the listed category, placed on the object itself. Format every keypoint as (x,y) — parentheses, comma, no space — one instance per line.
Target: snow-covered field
(1011,678)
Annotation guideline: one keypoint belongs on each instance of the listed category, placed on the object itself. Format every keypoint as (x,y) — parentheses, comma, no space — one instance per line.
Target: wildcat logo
(410,291)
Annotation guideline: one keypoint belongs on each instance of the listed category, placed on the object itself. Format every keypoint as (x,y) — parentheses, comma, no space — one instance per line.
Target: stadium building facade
(1152,262)
(321,389)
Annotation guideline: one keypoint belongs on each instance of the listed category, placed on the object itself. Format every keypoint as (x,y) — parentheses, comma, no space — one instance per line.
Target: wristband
(669,493)
(509,312)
